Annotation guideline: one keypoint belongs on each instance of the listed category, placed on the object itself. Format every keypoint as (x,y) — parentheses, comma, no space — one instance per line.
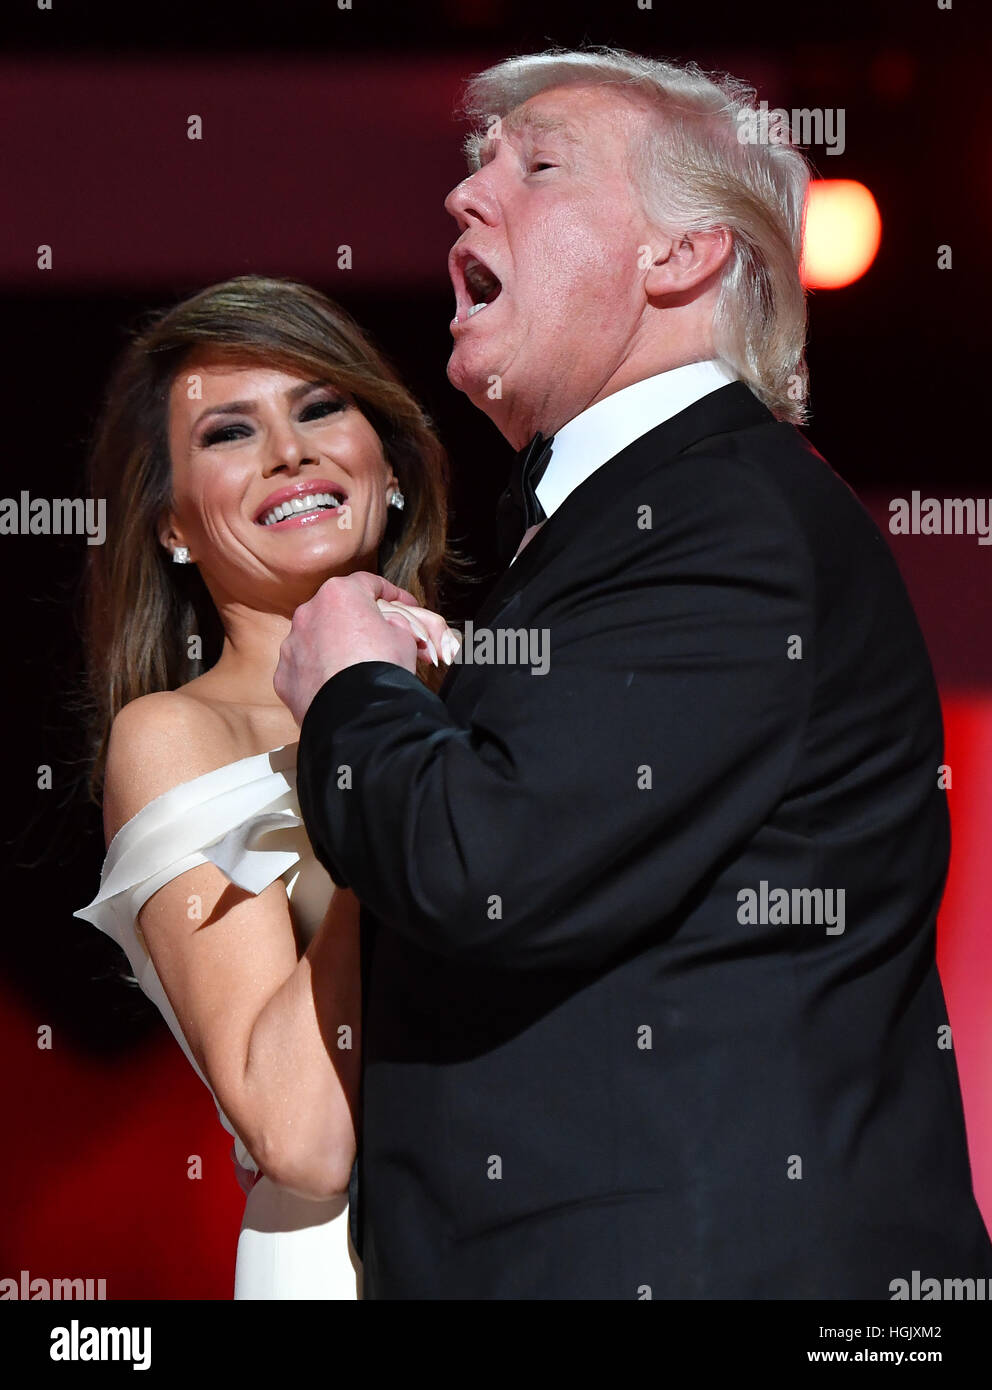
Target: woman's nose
(287,450)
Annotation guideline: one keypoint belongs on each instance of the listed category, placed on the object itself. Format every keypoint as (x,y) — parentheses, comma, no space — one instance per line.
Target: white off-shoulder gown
(245,818)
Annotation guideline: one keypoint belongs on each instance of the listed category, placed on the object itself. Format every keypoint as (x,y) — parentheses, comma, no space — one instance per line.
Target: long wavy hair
(140,610)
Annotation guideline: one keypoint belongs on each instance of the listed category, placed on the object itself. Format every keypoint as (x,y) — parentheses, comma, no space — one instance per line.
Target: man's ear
(686,261)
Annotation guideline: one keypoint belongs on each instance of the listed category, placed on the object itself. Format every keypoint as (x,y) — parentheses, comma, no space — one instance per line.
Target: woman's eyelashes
(327,406)
(224,434)
(314,410)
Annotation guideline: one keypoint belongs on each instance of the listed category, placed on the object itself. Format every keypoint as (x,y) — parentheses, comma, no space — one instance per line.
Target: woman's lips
(310,518)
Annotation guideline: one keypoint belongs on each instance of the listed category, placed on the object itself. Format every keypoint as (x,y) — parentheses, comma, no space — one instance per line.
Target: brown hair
(139,609)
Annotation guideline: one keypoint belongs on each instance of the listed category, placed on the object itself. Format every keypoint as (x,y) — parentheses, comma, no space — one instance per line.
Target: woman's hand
(342,625)
(423,622)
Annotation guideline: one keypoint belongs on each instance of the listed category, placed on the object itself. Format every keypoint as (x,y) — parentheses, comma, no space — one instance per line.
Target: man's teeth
(300,504)
(476,307)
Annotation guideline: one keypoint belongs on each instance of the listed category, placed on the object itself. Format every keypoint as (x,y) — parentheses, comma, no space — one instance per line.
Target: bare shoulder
(157,742)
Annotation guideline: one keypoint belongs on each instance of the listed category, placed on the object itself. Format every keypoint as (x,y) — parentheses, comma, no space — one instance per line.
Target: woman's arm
(277,1037)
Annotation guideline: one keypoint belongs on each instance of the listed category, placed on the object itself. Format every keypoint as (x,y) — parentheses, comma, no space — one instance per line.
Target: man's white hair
(697,173)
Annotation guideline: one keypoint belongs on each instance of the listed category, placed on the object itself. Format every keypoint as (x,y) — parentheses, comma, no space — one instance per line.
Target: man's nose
(472,200)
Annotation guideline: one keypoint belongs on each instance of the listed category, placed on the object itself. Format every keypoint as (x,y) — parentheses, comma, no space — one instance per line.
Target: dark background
(323,127)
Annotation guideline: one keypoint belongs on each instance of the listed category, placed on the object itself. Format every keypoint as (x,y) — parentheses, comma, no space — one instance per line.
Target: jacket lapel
(732,407)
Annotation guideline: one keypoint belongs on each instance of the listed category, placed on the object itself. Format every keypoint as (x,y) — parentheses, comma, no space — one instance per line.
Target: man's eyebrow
(246,407)
(541,125)
(480,146)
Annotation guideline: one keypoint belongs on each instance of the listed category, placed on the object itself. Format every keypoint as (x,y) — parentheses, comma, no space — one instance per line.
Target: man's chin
(475,378)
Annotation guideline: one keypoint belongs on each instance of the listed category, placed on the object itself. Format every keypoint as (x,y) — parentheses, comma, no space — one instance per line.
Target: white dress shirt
(598,434)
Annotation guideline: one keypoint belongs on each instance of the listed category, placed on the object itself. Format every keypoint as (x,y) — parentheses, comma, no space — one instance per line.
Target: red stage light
(843,230)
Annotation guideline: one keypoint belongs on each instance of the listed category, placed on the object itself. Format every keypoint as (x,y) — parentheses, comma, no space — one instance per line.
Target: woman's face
(245,441)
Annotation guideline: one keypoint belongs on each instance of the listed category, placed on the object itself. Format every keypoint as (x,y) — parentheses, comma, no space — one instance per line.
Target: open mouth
(309,504)
(482,287)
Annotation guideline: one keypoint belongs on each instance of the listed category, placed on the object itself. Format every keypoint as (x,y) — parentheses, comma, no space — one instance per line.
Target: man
(651,1005)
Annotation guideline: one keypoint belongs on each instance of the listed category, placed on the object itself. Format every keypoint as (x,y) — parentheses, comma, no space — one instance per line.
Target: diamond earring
(180,555)
(396,499)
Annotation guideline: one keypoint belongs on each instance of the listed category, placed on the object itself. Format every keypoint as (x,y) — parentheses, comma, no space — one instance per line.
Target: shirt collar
(599,433)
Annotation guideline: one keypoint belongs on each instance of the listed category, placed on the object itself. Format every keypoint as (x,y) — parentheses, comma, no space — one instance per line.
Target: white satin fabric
(245,818)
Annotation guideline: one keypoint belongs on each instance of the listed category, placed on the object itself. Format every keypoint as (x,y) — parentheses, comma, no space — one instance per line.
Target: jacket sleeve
(580,808)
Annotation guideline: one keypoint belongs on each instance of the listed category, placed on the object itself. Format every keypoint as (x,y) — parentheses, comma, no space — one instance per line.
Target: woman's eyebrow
(247,407)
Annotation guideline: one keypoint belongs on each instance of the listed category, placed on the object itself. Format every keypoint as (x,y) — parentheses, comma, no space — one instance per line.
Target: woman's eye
(317,409)
(225,433)
(538,164)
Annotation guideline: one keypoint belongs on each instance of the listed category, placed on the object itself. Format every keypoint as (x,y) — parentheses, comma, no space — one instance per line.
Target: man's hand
(352,618)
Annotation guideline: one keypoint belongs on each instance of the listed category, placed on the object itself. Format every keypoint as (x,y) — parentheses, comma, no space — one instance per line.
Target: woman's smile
(303,504)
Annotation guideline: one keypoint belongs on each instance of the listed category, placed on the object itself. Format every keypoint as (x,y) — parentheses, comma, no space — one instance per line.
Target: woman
(253,443)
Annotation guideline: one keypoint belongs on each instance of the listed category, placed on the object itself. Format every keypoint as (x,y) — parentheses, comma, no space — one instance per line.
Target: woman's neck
(244,671)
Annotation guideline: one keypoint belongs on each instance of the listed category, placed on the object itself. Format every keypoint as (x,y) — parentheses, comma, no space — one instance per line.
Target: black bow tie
(519,507)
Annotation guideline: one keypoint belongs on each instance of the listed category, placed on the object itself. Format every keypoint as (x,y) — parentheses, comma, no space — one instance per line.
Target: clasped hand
(352,618)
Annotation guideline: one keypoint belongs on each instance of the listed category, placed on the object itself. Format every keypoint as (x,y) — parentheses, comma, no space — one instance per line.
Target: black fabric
(584,1075)
(519,506)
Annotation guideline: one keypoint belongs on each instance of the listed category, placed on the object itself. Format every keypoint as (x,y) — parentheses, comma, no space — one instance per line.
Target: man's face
(550,229)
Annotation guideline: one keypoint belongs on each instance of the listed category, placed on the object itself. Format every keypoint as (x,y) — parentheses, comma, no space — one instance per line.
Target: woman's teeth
(476,307)
(309,503)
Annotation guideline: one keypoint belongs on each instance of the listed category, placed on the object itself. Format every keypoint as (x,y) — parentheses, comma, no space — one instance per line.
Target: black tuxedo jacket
(612,1048)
